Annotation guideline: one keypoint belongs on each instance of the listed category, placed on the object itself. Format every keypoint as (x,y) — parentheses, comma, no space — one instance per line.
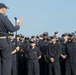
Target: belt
(3,37)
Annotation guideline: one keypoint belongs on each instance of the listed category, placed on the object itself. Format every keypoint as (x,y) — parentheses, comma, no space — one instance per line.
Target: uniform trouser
(5,61)
(21,64)
(33,67)
(44,67)
(70,68)
(14,68)
(62,65)
(54,68)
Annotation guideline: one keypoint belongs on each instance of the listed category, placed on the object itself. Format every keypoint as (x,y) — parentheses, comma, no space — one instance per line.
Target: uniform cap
(56,32)
(27,38)
(33,36)
(3,6)
(53,37)
(45,34)
(41,35)
(11,34)
(17,36)
(65,34)
(37,36)
(32,41)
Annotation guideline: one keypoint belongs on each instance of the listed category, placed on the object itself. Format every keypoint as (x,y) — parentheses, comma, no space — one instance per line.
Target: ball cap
(45,34)
(56,32)
(27,37)
(3,6)
(11,34)
(32,41)
(53,37)
(33,36)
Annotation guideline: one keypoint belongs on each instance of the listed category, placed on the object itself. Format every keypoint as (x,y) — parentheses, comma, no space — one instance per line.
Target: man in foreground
(5,44)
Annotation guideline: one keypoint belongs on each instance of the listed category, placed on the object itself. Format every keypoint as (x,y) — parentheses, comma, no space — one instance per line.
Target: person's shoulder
(58,44)
(23,44)
(27,49)
(36,48)
(49,44)
(69,42)
(2,16)
(40,41)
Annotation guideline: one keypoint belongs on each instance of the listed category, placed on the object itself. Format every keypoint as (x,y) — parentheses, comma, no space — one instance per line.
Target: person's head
(56,34)
(32,43)
(65,37)
(37,38)
(45,35)
(41,37)
(27,39)
(17,37)
(22,38)
(11,36)
(3,8)
(71,37)
(33,38)
(53,39)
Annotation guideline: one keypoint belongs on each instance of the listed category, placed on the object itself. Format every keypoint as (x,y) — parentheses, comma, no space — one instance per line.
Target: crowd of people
(44,54)
(38,55)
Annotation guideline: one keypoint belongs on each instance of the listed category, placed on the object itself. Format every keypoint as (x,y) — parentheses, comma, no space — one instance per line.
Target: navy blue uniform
(54,51)
(23,68)
(21,60)
(5,45)
(71,58)
(33,64)
(63,61)
(14,59)
(43,64)
(18,55)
